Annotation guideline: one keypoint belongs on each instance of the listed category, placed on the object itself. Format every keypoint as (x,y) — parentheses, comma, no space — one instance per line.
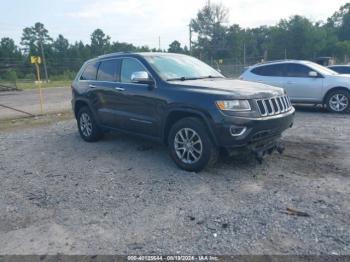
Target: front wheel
(338,101)
(190,145)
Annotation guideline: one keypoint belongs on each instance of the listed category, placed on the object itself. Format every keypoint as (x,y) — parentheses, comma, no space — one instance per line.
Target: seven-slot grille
(274,105)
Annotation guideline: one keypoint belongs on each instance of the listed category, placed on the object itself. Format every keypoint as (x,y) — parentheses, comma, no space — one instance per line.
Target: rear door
(109,95)
(87,84)
(300,86)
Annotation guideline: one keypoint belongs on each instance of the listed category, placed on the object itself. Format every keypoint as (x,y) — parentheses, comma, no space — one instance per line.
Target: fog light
(237,130)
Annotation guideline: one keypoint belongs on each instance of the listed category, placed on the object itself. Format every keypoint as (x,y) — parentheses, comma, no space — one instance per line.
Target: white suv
(305,82)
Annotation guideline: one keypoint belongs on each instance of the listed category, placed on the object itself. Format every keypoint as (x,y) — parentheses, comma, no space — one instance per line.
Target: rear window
(90,72)
(107,71)
(269,70)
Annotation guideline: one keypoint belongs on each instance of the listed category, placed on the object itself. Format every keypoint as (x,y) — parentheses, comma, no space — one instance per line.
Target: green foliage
(294,38)
(10,75)
(66,75)
(175,47)
(213,39)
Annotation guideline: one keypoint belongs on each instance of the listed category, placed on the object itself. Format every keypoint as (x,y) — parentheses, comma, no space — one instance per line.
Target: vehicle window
(269,70)
(107,70)
(170,67)
(341,69)
(90,72)
(130,66)
(296,70)
(321,69)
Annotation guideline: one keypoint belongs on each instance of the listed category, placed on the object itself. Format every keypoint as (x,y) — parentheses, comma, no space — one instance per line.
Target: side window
(90,72)
(296,70)
(269,70)
(342,70)
(130,66)
(107,71)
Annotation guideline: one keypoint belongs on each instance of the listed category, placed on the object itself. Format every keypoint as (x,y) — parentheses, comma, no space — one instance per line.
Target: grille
(274,106)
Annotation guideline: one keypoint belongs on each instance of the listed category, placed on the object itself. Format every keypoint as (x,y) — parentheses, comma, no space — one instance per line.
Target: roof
(137,53)
(282,61)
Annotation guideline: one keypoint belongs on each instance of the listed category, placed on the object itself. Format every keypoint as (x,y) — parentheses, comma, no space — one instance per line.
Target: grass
(32,85)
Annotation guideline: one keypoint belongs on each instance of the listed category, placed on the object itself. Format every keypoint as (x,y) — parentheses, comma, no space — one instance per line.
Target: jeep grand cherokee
(179,101)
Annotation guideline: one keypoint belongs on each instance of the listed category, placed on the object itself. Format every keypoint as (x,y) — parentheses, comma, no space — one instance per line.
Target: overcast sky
(141,22)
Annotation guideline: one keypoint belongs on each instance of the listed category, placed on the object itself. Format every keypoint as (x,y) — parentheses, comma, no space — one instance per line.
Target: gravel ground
(124,195)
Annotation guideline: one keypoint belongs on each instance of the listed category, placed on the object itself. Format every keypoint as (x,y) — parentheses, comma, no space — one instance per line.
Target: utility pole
(244,55)
(285,53)
(190,36)
(44,60)
(159,44)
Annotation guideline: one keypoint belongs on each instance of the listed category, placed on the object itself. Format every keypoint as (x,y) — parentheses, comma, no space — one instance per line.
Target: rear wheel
(190,145)
(338,101)
(88,128)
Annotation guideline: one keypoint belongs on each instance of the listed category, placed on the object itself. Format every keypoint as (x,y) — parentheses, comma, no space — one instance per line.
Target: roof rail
(274,61)
(113,54)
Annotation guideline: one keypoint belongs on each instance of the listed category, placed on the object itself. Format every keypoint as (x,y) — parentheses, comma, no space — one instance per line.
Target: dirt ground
(124,195)
(55,99)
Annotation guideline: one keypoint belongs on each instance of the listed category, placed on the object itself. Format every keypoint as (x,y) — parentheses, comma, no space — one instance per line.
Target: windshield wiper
(183,78)
(209,76)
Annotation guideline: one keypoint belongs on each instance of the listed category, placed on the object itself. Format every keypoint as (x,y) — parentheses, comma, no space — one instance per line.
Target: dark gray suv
(181,102)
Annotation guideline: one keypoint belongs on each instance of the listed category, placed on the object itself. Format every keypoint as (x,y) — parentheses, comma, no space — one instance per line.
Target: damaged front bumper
(261,137)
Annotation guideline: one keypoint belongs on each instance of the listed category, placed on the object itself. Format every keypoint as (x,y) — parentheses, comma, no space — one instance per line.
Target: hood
(233,87)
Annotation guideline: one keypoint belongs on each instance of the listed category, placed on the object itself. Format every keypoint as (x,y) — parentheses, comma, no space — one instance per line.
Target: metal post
(40,91)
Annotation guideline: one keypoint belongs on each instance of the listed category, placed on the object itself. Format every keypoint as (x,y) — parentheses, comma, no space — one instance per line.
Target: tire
(198,134)
(87,126)
(338,101)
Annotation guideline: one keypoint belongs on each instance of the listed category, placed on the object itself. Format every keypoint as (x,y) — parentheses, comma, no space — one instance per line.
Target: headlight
(233,105)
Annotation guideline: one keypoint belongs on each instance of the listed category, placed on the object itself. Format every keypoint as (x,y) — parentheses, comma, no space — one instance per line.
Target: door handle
(119,89)
(92,86)
(290,82)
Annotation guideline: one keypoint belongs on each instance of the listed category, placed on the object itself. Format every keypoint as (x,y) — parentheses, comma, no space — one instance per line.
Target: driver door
(300,86)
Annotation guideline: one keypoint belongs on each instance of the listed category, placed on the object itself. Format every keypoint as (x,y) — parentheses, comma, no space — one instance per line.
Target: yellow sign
(35,59)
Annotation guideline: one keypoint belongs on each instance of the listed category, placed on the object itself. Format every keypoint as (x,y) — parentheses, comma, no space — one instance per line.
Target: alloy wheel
(188,145)
(85,124)
(338,102)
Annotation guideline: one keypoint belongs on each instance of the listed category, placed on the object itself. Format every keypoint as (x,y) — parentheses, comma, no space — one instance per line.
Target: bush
(10,75)
(67,75)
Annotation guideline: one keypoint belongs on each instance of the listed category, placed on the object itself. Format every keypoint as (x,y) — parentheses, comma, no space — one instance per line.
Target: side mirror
(313,74)
(141,77)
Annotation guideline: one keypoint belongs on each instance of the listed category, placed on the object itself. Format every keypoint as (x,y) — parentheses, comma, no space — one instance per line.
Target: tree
(175,47)
(61,45)
(8,49)
(340,21)
(296,38)
(100,42)
(208,24)
(34,39)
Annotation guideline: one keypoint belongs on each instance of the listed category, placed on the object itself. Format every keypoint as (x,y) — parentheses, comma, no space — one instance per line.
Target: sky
(142,22)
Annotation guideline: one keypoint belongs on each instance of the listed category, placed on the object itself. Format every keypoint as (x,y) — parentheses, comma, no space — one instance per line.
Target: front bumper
(259,131)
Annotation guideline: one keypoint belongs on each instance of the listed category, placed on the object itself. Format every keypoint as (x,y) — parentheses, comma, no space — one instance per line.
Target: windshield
(321,69)
(181,67)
